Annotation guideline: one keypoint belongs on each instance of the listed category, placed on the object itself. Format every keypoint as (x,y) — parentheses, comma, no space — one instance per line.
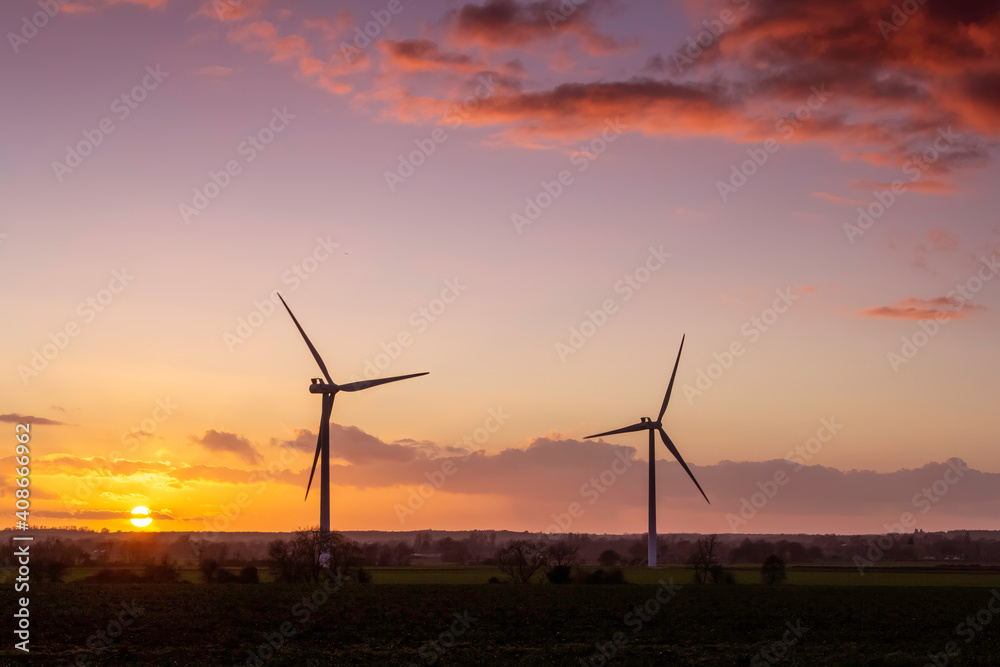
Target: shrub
(560,574)
(773,570)
(612,576)
(609,558)
(226,577)
(248,575)
(164,572)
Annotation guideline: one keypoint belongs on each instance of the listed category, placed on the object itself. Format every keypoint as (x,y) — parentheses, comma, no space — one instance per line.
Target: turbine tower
(329,390)
(646,424)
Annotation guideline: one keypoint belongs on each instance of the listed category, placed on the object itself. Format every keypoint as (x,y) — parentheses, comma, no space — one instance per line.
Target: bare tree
(298,559)
(521,559)
(563,553)
(704,558)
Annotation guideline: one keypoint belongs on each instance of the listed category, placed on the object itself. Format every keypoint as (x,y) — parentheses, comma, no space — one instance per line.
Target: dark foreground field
(538,624)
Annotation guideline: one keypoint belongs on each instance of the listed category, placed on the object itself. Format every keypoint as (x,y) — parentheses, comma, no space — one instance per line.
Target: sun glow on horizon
(140,517)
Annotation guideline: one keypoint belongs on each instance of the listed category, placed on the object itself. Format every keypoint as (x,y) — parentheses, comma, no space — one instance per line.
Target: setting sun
(141,518)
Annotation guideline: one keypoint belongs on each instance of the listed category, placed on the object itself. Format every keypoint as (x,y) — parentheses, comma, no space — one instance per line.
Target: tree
(609,558)
(298,559)
(773,570)
(562,553)
(209,567)
(520,559)
(402,553)
(638,552)
(163,571)
(704,558)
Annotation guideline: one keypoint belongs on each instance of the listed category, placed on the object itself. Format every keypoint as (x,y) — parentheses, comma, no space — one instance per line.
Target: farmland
(450,616)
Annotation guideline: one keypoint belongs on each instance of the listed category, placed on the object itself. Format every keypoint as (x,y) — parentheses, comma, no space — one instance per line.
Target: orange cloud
(930,187)
(511,24)
(263,37)
(230,10)
(332,28)
(423,55)
(12,418)
(942,239)
(940,308)
(221,441)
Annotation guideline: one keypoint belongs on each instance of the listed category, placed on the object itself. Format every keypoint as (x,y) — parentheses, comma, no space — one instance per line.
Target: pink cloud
(940,308)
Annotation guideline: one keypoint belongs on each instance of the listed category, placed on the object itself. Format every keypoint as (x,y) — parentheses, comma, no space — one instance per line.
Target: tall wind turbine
(329,390)
(645,424)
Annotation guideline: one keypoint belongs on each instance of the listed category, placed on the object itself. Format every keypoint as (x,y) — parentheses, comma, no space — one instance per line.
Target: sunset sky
(533,201)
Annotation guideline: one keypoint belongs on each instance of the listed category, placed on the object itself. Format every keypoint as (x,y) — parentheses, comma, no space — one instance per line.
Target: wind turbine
(329,390)
(646,424)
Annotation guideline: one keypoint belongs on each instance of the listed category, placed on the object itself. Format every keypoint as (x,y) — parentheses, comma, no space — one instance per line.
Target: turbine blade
(670,387)
(319,440)
(641,426)
(677,455)
(324,431)
(319,359)
(365,384)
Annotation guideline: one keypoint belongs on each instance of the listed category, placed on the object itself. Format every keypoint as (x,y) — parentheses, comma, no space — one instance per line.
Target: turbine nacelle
(320,387)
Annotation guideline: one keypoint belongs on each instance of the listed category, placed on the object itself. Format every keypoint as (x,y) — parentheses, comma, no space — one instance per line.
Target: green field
(885,575)
(896,618)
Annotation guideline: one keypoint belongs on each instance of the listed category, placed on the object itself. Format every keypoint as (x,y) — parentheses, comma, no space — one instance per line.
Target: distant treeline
(58,549)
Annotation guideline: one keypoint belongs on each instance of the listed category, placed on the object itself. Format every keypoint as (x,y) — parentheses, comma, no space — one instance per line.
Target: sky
(533,202)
